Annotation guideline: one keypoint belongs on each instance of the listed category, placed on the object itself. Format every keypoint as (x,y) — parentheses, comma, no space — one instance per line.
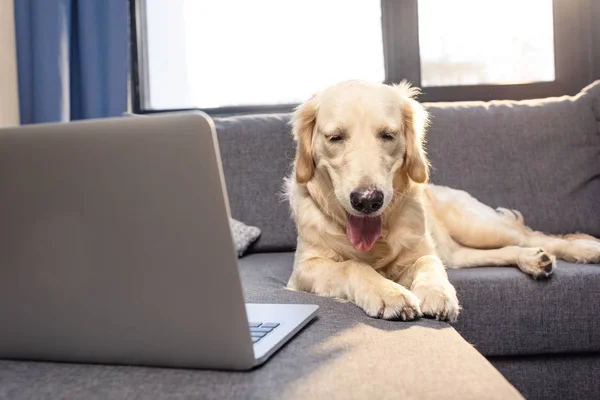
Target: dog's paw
(536,262)
(438,300)
(391,302)
(582,251)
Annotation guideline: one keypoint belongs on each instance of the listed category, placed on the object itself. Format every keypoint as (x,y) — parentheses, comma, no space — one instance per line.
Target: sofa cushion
(505,312)
(342,355)
(572,376)
(539,156)
(257,152)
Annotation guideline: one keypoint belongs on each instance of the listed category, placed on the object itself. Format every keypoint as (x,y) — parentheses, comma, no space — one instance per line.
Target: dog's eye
(335,138)
(386,136)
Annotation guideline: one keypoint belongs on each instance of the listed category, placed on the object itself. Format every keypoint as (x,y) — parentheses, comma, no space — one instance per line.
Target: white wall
(9,100)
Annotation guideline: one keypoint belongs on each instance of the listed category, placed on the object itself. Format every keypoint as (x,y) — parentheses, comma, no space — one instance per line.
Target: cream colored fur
(343,142)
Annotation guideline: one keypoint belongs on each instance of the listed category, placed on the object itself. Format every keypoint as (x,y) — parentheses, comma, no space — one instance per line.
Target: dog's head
(367,139)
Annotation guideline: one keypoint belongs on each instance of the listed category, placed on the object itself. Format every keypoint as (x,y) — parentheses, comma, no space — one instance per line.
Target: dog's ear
(416,120)
(303,125)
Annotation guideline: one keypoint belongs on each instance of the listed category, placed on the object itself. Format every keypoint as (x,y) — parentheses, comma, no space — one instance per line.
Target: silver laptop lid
(115,245)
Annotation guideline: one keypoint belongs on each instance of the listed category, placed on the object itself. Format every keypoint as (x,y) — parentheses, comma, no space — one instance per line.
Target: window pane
(471,42)
(259,52)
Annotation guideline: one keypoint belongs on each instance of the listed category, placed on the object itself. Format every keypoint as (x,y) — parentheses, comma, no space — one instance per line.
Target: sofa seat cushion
(505,312)
(341,355)
(553,377)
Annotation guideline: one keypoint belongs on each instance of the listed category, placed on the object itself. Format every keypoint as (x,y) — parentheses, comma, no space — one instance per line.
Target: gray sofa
(541,337)
(541,157)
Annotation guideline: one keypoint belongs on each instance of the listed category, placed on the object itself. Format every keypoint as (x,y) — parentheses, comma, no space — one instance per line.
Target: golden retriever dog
(371,229)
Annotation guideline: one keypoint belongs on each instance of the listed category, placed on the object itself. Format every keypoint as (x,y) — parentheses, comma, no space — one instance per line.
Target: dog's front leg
(357,282)
(430,284)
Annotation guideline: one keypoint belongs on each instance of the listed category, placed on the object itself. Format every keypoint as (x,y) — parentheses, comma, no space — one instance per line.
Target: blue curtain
(73,58)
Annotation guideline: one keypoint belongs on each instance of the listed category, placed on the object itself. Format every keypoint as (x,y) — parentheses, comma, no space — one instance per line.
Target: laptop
(116,248)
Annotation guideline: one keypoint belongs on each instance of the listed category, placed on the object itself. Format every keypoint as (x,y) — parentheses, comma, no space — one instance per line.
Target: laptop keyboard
(259,330)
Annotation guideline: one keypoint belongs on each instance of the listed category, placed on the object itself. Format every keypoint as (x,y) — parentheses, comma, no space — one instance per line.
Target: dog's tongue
(363,232)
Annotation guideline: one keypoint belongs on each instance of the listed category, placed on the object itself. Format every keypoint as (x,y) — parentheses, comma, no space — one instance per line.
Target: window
(232,56)
(210,54)
(466,42)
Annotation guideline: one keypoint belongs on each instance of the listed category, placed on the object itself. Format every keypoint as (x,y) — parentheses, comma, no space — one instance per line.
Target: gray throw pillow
(243,235)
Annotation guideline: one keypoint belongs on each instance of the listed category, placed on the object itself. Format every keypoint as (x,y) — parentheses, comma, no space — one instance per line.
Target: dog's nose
(366,201)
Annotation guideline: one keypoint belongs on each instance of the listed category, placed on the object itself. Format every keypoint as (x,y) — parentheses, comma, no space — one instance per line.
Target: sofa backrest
(541,157)
(257,152)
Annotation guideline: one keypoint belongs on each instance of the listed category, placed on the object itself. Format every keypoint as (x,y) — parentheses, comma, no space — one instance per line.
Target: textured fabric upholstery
(257,152)
(553,377)
(505,312)
(243,235)
(539,156)
(342,355)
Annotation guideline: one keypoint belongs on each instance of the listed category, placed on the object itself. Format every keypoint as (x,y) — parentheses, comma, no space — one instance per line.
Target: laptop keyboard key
(261,329)
(258,330)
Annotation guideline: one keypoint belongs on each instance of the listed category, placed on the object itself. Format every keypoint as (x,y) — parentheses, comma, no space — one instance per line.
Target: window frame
(573,44)
(576,64)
